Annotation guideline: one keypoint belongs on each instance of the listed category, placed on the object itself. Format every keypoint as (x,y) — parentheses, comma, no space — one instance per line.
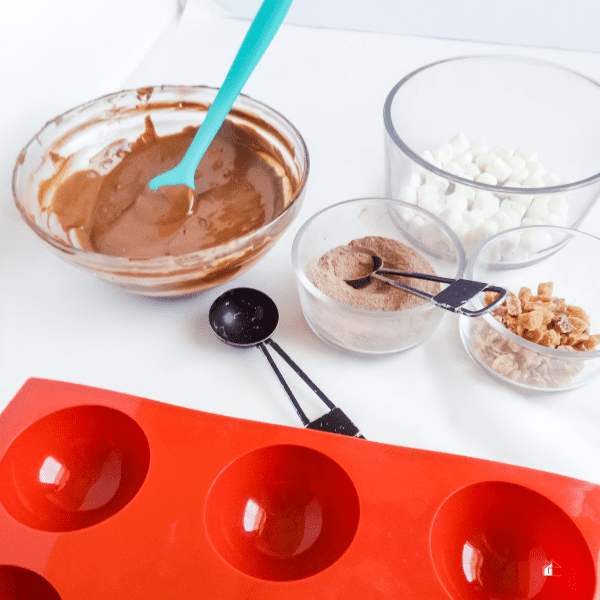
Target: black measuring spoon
(452,298)
(245,317)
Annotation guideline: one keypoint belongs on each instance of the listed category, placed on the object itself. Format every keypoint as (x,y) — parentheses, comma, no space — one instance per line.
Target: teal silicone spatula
(262,30)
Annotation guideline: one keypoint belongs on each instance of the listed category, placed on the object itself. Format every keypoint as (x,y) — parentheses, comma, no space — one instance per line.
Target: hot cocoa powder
(330,272)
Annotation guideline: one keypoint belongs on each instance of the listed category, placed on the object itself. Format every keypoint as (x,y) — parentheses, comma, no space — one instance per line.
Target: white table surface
(59,323)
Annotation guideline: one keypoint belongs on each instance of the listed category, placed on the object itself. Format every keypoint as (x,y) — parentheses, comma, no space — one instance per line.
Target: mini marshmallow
(473,218)
(468,192)
(444,153)
(478,147)
(463,158)
(510,243)
(558,205)
(487,178)
(533,181)
(503,153)
(551,179)
(499,169)
(515,218)
(433,179)
(428,156)
(427,189)
(408,194)
(525,154)
(415,180)
(484,231)
(457,201)
(503,220)
(406,214)
(538,209)
(534,240)
(470,170)
(508,205)
(415,225)
(434,204)
(516,162)
(453,168)
(517,175)
(459,143)
(487,203)
(535,167)
(483,160)
(451,217)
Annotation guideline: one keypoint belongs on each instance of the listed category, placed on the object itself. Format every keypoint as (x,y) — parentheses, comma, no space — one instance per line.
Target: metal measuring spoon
(246,317)
(458,293)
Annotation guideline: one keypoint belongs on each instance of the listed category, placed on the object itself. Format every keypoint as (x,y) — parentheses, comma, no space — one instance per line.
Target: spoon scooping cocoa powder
(330,272)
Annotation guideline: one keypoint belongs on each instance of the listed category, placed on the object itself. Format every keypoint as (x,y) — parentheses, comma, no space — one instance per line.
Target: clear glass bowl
(87,129)
(569,264)
(514,105)
(369,332)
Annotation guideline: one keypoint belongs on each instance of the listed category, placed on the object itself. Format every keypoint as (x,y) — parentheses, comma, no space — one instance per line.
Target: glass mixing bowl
(358,330)
(528,126)
(86,130)
(564,257)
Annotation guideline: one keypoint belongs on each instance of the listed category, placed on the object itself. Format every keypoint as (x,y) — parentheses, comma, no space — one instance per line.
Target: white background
(569,25)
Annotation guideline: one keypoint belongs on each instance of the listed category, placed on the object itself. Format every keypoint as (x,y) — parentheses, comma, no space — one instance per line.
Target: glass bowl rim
(123,264)
(391,130)
(363,312)
(504,331)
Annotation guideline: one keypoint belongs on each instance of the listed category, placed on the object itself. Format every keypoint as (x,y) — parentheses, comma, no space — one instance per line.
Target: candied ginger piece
(490,297)
(550,339)
(524,295)
(545,290)
(547,316)
(534,335)
(504,364)
(513,305)
(563,322)
(577,312)
(594,342)
(531,320)
(579,325)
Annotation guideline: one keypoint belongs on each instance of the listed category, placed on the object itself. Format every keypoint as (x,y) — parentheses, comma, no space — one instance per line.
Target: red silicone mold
(109,496)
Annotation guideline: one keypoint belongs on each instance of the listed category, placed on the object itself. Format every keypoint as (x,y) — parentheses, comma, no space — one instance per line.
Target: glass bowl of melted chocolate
(82,185)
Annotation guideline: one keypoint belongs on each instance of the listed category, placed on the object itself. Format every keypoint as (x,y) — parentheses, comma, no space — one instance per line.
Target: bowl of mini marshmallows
(545,337)
(489,143)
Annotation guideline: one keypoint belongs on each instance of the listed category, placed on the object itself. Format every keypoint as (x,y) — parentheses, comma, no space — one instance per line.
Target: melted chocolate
(241,184)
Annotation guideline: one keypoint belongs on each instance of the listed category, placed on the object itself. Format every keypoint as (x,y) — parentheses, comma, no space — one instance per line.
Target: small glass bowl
(570,266)
(370,332)
(513,105)
(87,129)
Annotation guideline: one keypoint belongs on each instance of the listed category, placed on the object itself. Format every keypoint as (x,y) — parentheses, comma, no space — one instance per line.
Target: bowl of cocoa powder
(336,245)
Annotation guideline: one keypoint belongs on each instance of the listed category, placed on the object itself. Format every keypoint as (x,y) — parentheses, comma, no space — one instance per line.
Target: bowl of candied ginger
(545,336)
